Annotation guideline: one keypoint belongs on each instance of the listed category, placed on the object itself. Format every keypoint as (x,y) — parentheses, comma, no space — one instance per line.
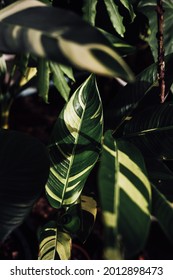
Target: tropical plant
(130,140)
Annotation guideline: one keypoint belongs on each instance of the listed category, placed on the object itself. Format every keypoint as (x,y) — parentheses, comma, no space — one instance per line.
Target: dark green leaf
(89,11)
(125,197)
(67,71)
(146,85)
(63,37)
(115,17)
(43,73)
(148,7)
(75,144)
(22,63)
(152,131)
(127,4)
(79,219)
(60,81)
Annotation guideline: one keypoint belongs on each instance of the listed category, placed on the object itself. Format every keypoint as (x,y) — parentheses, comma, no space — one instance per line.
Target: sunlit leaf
(115,17)
(79,219)
(88,213)
(58,35)
(67,71)
(54,244)
(125,196)
(89,10)
(75,144)
(29,74)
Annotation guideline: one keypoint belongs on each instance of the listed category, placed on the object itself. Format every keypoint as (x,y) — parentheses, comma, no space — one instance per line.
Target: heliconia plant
(131,151)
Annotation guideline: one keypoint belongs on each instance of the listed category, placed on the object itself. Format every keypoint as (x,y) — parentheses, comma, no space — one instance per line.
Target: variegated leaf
(63,37)
(75,144)
(54,244)
(125,196)
(79,219)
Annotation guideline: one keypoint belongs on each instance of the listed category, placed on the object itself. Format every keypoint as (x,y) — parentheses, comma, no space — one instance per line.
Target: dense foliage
(112,121)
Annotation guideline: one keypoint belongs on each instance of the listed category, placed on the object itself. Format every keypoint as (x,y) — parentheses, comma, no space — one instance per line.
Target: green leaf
(75,144)
(115,17)
(163,211)
(88,213)
(125,196)
(24,169)
(148,7)
(89,11)
(129,7)
(43,73)
(54,244)
(68,71)
(151,130)
(79,219)
(63,37)
(22,63)
(60,81)
(145,86)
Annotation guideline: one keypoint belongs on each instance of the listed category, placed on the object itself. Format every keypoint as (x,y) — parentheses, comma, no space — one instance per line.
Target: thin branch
(161,52)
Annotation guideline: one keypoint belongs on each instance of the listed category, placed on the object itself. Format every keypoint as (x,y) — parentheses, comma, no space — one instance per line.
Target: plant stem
(161,56)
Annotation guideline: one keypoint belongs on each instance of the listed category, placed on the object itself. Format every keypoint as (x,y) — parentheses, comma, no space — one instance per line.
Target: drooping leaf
(152,130)
(125,196)
(67,71)
(115,17)
(148,7)
(79,219)
(63,37)
(89,11)
(88,213)
(145,86)
(127,4)
(29,74)
(163,211)
(43,73)
(24,169)
(60,81)
(22,63)
(54,244)
(75,144)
